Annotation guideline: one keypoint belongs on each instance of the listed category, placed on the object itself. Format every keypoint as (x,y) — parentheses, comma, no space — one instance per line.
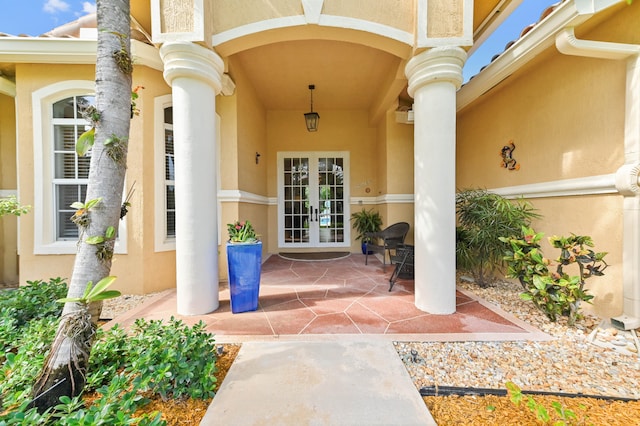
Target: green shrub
(35,300)
(23,359)
(174,359)
(170,360)
(483,217)
(555,293)
(10,206)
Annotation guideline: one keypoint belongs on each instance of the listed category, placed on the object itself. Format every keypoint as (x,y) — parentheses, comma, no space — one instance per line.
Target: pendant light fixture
(312,118)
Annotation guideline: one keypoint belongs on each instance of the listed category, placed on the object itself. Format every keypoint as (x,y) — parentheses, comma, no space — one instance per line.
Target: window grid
(169,174)
(70,172)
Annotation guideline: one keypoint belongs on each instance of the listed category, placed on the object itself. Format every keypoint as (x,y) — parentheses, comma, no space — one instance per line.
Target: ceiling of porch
(346,75)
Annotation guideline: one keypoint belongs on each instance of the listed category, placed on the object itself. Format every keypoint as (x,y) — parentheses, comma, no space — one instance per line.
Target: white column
(195,75)
(434,77)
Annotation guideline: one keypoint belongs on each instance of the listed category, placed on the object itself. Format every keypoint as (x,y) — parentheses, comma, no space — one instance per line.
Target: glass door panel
(313,196)
(330,196)
(296,200)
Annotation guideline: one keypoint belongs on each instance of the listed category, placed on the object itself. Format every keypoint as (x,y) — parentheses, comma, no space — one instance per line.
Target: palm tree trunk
(64,372)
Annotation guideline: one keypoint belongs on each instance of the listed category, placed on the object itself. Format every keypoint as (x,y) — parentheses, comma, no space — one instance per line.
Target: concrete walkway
(318,383)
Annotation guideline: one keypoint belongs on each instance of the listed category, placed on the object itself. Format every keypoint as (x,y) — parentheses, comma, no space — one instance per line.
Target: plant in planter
(555,293)
(244,260)
(364,222)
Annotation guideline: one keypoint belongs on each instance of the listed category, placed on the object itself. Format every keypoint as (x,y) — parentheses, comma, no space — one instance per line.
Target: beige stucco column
(434,77)
(195,74)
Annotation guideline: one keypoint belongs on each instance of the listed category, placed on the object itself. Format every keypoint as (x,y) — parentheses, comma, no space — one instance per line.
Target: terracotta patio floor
(337,299)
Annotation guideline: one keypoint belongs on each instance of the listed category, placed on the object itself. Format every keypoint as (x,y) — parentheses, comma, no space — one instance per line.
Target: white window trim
(161,242)
(42,101)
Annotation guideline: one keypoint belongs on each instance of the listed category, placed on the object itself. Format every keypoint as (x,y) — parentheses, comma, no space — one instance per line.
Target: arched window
(60,176)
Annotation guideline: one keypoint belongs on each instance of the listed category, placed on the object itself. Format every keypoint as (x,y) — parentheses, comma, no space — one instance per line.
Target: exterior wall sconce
(312,118)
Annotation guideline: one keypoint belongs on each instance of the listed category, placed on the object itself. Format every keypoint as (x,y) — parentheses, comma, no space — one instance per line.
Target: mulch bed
(495,410)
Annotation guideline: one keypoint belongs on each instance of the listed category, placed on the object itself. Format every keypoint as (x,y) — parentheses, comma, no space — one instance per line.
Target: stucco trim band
(300,20)
(592,185)
(237,196)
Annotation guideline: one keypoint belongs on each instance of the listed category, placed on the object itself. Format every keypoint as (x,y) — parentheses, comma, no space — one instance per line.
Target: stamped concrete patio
(337,299)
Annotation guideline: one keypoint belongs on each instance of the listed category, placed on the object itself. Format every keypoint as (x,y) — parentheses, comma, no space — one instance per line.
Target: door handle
(310,213)
(316,215)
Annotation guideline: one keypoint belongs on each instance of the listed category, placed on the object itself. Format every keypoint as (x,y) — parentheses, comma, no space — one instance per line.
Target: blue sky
(34,17)
(527,13)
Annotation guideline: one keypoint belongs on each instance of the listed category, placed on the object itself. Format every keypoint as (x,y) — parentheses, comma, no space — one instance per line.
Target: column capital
(190,60)
(440,64)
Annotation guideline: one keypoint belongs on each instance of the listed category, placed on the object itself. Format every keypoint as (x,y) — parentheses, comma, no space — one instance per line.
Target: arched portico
(357,66)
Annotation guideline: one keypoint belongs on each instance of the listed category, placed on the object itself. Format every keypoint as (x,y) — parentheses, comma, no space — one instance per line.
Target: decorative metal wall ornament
(508,162)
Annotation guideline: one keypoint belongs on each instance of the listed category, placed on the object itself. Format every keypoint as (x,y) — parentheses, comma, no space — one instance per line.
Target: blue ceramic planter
(244,261)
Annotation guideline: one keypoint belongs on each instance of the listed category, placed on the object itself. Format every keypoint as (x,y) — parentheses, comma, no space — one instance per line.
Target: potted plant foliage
(244,260)
(364,222)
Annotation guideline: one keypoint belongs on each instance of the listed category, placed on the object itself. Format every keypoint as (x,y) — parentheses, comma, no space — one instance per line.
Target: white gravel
(570,363)
(111,308)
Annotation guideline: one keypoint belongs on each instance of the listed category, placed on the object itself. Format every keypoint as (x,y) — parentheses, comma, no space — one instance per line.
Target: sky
(527,13)
(35,17)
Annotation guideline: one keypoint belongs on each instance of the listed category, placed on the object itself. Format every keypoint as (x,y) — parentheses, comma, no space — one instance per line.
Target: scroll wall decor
(508,162)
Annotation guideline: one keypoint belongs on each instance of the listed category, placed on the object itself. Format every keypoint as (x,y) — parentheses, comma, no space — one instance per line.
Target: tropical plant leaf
(85,142)
(93,202)
(95,240)
(110,233)
(102,285)
(109,294)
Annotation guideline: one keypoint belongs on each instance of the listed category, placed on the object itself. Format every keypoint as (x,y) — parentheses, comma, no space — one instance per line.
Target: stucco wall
(565,115)
(344,130)
(8,181)
(243,134)
(29,78)
(141,270)
(156,269)
(399,156)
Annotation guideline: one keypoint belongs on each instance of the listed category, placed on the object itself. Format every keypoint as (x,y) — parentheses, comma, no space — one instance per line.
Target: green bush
(170,360)
(35,300)
(177,360)
(555,293)
(483,218)
(10,206)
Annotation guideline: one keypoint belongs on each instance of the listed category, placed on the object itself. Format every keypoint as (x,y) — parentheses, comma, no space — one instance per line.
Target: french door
(313,199)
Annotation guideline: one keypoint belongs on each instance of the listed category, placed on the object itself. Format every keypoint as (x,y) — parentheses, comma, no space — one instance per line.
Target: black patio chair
(388,239)
(403,257)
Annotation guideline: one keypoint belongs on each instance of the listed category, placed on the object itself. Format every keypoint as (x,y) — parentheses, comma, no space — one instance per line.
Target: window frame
(162,242)
(45,213)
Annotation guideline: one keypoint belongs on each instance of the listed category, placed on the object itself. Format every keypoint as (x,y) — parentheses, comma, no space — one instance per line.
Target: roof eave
(541,37)
(68,51)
